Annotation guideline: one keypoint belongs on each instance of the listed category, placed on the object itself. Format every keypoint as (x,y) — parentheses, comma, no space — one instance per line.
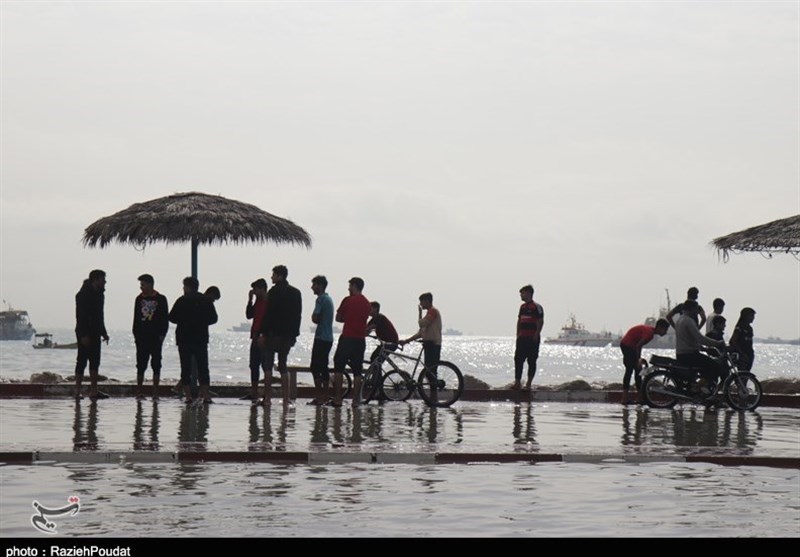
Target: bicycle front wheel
(442,387)
(397,385)
(742,391)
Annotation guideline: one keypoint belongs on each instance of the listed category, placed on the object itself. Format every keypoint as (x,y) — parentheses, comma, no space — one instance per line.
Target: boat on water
(15,324)
(47,342)
(452,332)
(668,340)
(243,327)
(575,334)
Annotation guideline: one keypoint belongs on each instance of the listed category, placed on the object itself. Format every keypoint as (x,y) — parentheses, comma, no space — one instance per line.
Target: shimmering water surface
(487,358)
(263,500)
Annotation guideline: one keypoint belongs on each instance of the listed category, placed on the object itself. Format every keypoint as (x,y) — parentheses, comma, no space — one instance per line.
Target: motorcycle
(668,382)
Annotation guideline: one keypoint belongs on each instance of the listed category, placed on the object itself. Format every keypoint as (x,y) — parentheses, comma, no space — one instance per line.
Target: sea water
(654,499)
(489,359)
(480,500)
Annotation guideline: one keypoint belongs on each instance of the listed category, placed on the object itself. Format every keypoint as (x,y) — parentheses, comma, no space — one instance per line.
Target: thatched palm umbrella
(778,236)
(193,217)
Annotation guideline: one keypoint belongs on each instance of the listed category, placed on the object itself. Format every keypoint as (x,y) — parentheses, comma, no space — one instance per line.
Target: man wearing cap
(150,325)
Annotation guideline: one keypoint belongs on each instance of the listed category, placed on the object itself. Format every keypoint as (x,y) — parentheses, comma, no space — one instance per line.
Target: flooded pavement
(60,429)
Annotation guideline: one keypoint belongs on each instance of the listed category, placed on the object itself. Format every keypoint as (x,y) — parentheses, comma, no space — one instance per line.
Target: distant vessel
(575,334)
(47,342)
(452,332)
(15,325)
(243,327)
(668,340)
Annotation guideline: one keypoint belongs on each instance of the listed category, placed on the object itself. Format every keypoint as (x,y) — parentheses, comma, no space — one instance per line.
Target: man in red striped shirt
(530,321)
(631,346)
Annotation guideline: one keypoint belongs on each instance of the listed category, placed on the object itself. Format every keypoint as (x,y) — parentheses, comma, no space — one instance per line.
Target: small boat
(336,329)
(47,342)
(575,334)
(243,327)
(15,325)
(452,332)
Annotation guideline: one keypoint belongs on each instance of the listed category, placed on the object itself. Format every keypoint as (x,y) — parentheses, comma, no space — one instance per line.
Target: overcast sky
(592,149)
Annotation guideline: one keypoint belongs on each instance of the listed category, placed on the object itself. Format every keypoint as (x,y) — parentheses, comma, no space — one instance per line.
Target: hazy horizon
(592,150)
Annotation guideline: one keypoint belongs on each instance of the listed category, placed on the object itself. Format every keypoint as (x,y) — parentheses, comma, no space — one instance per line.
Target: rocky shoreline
(770,386)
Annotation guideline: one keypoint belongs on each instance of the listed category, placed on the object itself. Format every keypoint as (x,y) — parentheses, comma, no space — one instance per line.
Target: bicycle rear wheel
(347,384)
(371,382)
(742,391)
(442,387)
(397,385)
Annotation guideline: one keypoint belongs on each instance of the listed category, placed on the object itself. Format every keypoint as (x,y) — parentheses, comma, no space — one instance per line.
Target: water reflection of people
(288,419)
(260,435)
(633,435)
(319,433)
(697,430)
(524,427)
(260,429)
(193,427)
(741,437)
(146,441)
(85,439)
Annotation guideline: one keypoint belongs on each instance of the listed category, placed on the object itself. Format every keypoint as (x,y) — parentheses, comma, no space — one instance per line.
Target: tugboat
(575,334)
(15,325)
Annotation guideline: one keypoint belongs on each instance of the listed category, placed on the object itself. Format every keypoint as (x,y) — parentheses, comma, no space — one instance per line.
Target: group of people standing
(192,313)
(276,314)
(689,319)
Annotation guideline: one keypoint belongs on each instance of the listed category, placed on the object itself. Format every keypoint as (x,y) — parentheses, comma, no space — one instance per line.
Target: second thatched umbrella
(193,217)
(778,236)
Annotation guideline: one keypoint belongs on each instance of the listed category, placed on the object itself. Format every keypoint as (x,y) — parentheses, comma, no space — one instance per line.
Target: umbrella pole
(194,257)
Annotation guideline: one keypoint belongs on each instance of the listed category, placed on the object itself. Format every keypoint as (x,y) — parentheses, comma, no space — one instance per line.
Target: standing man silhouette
(280,329)
(150,326)
(530,321)
(90,328)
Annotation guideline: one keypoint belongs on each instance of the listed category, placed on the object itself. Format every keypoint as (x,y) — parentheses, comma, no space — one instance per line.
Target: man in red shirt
(631,346)
(354,312)
(530,321)
(255,310)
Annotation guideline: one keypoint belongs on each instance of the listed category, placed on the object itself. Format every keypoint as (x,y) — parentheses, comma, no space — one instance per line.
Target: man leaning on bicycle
(384,331)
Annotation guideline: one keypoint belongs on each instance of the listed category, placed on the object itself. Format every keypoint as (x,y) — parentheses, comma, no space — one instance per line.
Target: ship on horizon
(575,334)
(15,324)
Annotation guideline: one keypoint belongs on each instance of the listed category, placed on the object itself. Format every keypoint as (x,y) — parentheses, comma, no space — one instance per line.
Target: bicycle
(439,388)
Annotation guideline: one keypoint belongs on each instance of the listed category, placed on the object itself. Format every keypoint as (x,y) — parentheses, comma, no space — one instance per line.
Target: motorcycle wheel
(657,389)
(742,391)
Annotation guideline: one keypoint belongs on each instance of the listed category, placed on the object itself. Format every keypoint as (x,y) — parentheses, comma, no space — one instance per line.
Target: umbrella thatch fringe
(183,217)
(778,236)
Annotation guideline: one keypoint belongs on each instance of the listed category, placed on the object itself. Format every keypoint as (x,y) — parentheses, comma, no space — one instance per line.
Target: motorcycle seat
(657,360)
